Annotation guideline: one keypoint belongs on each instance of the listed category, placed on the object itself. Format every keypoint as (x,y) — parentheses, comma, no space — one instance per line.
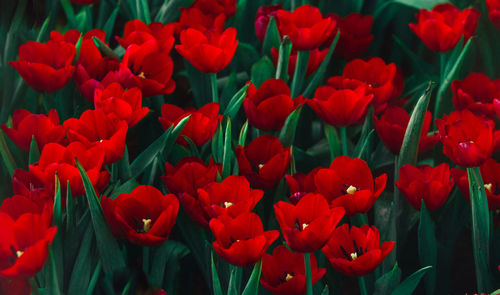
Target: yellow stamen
(288,277)
(261,165)
(227,204)
(142,75)
(19,253)
(146,225)
(354,256)
(304,225)
(488,186)
(351,190)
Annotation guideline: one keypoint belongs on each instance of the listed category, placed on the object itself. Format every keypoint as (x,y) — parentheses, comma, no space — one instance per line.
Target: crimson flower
(305,26)
(18,205)
(468,140)
(356,252)
(355,35)
(442,27)
(200,127)
(494,12)
(316,57)
(216,7)
(300,184)
(145,216)
(391,128)
(242,240)
(72,36)
(137,32)
(200,20)
(263,17)
(94,127)
(25,126)
(263,161)
(268,107)
(283,272)
(476,93)
(308,225)
(24,244)
(431,184)
(16,286)
(349,183)
(45,67)
(27,184)
(208,51)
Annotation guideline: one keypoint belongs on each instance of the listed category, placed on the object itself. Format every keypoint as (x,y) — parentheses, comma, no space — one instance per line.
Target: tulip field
(249,147)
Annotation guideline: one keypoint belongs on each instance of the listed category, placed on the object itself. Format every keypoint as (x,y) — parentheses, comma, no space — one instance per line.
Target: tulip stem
(145,259)
(307,263)
(213,83)
(343,138)
(34,286)
(300,72)
(362,285)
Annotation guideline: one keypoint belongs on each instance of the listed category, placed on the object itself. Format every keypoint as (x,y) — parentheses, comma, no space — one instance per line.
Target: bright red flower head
(94,127)
(356,252)
(349,183)
(391,128)
(494,12)
(27,184)
(145,216)
(216,7)
(121,104)
(264,161)
(25,126)
(283,272)
(200,127)
(72,36)
(476,93)
(263,17)
(305,26)
(24,244)
(268,107)
(18,205)
(308,225)
(45,67)
(431,184)
(137,32)
(232,197)
(300,184)
(15,287)
(209,52)
(316,57)
(242,240)
(200,20)
(468,140)
(441,28)
(341,106)
(385,80)
(355,35)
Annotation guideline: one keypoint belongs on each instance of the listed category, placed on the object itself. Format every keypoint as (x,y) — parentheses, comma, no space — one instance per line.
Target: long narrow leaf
(287,134)
(235,103)
(227,156)
(427,247)
(409,285)
(252,287)
(283,59)
(215,278)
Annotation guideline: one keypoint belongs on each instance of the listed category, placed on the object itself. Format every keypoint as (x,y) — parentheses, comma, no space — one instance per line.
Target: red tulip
(385,80)
(431,184)
(121,104)
(263,17)
(145,216)
(308,225)
(468,140)
(209,52)
(316,57)
(15,287)
(216,7)
(200,20)
(355,36)
(300,184)
(356,252)
(391,128)
(305,26)
(441,28)
(24,244)
(18,205)
(72,36)
(264,161)
(25,126)
(94,127)
(200,127)
(283,272)
(476,93)
(494,12)
(349,183)
(232,197)
(268,107)
(137,32)
(45,67)
(241,241)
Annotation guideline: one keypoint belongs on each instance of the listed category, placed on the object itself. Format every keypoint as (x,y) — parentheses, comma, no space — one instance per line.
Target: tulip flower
(300,184)
(137,32)
(27,184)
(264,14)
(216,7)
(16,286)
(355,36)
(200,20)
(18,205)
(476,93)
(494,12)
(356,252)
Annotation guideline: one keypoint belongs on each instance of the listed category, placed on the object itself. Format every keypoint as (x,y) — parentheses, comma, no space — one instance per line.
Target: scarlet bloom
(268,107)
(208,51)
(137,32)
(18,205)
(441,28)
(264,161)
(94,127)
(216,7)
(145,216)
(431,184)
(316,57)
(232,197)
(355,35)
(24,244)
(242,240)
(283,272)
(25,126)
(45,67)
(476,93)
(349,183)
(300,184)
(341,107)
(391,128)
(308,225)
(27,184)
(263,17)
(356,252)
(468,140)
(385,80)
(121,104)
(305,26)
(200,20)
(16,286)
(494,12)
(200,127)
(60,160)
(185,179)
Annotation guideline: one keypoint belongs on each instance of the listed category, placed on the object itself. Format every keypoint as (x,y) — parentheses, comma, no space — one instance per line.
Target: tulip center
(488,187)
(351,190)
(146,225)
(19,253)
(227,204)
(354,255)
(142,75)
(465,144)
(288,277)
(260,166)
(300,226)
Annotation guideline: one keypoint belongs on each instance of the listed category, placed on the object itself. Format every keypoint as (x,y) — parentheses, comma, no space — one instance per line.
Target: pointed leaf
(287,134)
(227,156)
(408,286)
(252,287)
(261,71)
(215,277)
(272,38)
(235,103)
(80,276)
(427,247)
(34,154)
(110,23)
(283,59)
(243,134)
(388,281)
(149,154)
(234,280)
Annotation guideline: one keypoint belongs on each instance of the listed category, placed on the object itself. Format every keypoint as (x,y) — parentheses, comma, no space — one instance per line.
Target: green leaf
(200,85)
(496,292)
(34,154)
(427,247)
(419,4)
(408,286)
(272,38)
(418,64)
(235,103)
(252,287)
(388,281)
(70,13)
(149,154)
(300,72)
(80,276)
(169,10)
(144,11)
(307,264)
(109,251)
(70,209)
(95,278)
(173,137)
(234,280)
(124,165)
(227,156)
(283,59)
(325,290)
(110,23)
(243,134)
(8,159)
(103,48)
(287,134)
(42,34)
(262,71)
(166,259)
(333,141)
(53,283)
(218,145)
(365,130)
(215,277)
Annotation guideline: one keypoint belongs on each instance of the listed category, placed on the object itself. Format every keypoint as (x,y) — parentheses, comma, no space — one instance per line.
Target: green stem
(343,138)
(145,259)
(213,83)
(300,72)
(359,219)
(34,286)
(307,263)
(362,285)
